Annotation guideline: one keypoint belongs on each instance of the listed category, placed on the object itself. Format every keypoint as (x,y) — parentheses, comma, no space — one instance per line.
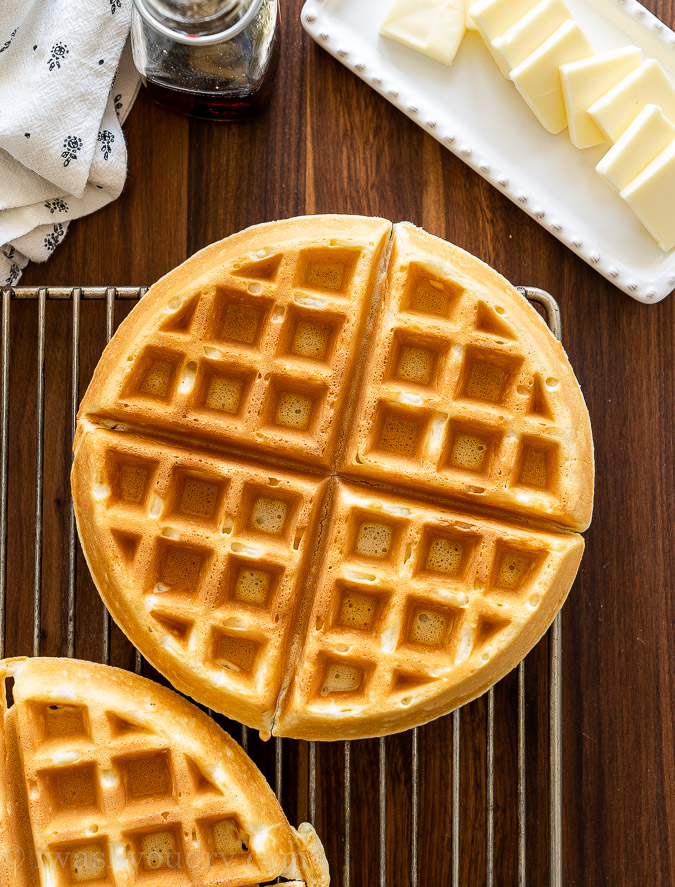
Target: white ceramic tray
(478,115)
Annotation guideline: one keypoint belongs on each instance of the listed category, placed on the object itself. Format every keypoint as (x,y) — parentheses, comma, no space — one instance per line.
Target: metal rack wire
(112,296)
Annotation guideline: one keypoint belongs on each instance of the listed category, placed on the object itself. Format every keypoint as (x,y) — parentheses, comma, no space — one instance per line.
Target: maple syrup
(212,59)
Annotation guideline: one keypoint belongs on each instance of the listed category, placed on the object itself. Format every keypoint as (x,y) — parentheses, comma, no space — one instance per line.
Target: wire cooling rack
(474,798)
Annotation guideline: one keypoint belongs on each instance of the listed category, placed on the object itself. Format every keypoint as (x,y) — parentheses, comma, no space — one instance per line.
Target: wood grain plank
(330,144)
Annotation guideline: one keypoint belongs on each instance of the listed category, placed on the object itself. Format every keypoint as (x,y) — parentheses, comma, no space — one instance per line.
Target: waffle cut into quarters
(109,779)
(329,477)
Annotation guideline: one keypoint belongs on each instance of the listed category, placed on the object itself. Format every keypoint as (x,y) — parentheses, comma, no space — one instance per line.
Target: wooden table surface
(330,144)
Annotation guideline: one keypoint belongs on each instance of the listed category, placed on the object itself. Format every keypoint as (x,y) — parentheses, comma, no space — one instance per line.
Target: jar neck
(198,21)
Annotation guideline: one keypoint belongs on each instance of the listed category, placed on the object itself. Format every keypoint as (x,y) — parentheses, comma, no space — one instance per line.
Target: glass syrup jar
(214,59)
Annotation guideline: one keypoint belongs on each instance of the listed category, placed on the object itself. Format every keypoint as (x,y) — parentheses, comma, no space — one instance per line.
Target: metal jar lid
(165,17)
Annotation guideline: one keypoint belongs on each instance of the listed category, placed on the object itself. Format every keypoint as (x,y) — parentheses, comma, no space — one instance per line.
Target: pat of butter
(538,77)
(585,81)
(651,196)
(433,27)
(528,34)
(649,134)
(648,84)
(493,18)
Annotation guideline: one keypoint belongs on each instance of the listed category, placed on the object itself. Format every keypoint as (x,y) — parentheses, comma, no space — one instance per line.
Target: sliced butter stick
(493,18)
(538,77)
(434,28)
(648,84)
(651,196)
(586,81)
(649,134)
(521,39)
(470,23)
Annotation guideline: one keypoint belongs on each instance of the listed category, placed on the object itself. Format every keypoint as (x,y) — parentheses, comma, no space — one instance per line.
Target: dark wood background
(330,144)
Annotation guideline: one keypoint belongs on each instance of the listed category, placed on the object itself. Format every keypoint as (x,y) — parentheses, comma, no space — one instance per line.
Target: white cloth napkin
(67,81)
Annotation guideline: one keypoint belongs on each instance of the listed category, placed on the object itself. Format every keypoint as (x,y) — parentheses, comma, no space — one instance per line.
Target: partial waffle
(252,343)
(416,607)
(109,779)
(205,561)
(270,393)
(465,394)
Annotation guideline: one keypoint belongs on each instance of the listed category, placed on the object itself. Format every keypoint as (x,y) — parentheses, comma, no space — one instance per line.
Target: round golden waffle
(110,779)
(328,476)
